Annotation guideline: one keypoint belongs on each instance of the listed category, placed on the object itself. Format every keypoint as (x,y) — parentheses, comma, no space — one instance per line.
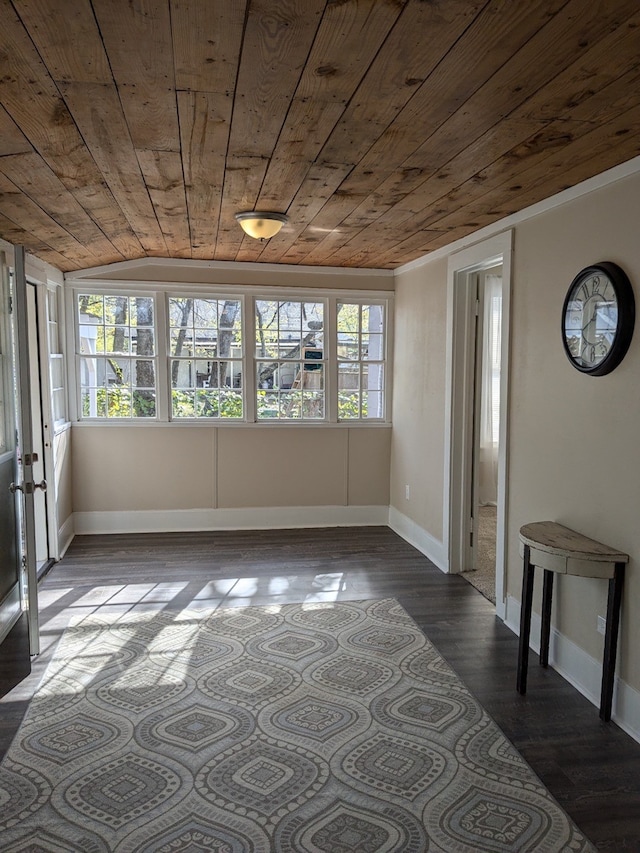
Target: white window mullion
(331,377)
(249,358)
(73,353)
(388,352)
(163,369)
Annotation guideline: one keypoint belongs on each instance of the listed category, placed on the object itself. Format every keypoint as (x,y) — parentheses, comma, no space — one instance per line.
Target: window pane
(141,311)
(348,318)
(360,349)
(348,345)
(144,404)
(207,403)
(119,402)
(207,333)
(289,343)
(145,374)
(230,403)
(312,404)
(93,403)
(348,405)
(115,331)
(267,404)
(372,347)
(182,403)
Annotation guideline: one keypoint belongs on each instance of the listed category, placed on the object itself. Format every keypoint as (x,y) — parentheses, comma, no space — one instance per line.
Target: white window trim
(161,291)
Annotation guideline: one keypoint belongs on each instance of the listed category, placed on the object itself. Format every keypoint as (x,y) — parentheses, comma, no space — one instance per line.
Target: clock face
(598,319)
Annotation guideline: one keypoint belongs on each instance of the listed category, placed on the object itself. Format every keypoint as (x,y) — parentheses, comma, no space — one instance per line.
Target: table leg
(611,641)
(525,621)
(545,628)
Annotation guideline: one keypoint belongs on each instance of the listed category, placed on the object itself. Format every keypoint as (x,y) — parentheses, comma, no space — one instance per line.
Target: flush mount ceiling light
(262,225)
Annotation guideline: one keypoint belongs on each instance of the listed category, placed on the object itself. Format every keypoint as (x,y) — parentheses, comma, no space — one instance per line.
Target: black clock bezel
(626,316)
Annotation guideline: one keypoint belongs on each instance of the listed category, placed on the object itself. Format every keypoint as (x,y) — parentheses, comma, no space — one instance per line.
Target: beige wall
(176,467)
(263,275)
(198,467)
(417,443)
(574,453)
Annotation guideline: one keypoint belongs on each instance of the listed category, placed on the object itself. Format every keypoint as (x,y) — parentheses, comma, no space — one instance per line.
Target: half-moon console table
(558,550)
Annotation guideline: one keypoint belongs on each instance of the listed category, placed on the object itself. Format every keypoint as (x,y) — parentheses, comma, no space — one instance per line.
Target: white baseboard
(254,518)
(65,536)
(10,610)
(582,671)
(419,538)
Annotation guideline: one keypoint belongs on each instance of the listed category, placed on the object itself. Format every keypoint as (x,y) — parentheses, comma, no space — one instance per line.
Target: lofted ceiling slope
(383,128)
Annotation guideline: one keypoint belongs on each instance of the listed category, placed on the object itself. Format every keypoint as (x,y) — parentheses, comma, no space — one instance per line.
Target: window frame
(301,298)
(128,292)
(219,296)
(247,295)
(360,361)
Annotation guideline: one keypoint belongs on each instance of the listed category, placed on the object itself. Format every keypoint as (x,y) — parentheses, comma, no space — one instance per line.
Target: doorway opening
(481,569)
(477,391)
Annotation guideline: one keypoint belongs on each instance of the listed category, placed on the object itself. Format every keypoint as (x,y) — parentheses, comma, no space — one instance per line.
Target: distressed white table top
(554,538)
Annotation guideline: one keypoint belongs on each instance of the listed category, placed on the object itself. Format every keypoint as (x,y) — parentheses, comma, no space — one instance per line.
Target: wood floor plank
(592,768)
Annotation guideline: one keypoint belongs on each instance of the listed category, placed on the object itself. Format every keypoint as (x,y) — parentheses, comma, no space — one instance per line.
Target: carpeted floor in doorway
(324,728)
(484,575)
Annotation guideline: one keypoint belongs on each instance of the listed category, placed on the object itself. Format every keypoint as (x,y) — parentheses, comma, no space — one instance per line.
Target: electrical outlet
(407,492)
(602,624)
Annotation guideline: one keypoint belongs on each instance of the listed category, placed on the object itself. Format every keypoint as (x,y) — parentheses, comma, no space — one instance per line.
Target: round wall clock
(598,318)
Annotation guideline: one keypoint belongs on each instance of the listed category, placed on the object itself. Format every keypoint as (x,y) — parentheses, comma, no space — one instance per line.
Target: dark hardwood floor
(592,768)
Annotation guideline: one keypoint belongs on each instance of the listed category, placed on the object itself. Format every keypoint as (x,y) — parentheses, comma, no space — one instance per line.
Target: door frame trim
(23,371)
(460,350)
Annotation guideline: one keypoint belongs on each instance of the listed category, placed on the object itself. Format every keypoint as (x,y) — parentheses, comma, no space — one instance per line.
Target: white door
(17,389)
(10,548)
(39,472)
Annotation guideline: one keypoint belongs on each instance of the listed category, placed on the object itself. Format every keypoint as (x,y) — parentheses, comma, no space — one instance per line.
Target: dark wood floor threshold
(592,768)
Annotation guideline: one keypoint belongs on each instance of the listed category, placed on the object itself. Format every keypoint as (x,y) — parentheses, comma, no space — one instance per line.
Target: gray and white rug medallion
(324,728)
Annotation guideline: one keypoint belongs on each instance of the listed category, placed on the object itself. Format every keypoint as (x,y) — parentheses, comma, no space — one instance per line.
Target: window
(205,358)
(361,349)
(56,361)
(116,344)
(289,360)
(169,354)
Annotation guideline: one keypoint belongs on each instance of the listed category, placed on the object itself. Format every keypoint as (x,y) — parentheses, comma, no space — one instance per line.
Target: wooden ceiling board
(12,139)
(31,175)
(562,166)
(98,114)
(418,42)
(205,119)
(397,67)
(31,98)
(320,183)
(475,57)
(28,215)
(19,237)
(449,157)
(133,128)
(207,39)
(529,68)
(69,44)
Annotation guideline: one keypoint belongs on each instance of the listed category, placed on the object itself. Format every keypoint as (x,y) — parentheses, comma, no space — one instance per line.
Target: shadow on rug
(325,728)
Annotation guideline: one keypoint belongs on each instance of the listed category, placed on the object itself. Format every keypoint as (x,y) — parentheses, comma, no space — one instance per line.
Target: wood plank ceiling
(383,128)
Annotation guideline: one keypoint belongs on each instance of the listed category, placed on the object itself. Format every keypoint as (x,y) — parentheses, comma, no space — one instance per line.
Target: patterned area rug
(325,728)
